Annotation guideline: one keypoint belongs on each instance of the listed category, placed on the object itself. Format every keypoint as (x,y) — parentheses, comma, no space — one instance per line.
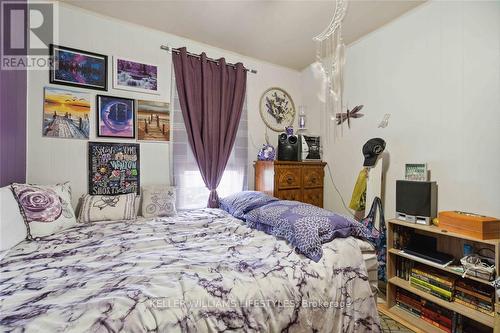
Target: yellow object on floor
(358,199)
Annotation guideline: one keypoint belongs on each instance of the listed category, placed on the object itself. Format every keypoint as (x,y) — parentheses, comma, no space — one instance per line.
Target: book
(476,287)
(475,307)
(444,328)
(432,281)
(433,290)
(436,276)
(474,300)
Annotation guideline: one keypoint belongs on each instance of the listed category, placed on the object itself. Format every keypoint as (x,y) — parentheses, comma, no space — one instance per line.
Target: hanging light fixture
(330,54)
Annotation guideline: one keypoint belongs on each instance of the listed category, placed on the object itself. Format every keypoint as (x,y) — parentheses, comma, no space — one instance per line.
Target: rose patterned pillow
(46,209)
(158,200)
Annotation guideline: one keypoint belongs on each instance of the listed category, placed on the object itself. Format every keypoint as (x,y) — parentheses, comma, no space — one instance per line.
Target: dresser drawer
(313,196)
(288,177)
(312,177)
(295,195)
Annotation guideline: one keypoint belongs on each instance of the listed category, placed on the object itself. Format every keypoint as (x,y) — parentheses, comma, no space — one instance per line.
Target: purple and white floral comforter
(201,271)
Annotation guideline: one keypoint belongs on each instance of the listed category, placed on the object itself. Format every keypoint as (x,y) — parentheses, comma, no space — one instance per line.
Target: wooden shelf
(414,320)
(436,230)
(459,308)
(428,263)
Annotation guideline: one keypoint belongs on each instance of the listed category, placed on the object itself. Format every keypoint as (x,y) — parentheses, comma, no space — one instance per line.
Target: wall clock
(277,109)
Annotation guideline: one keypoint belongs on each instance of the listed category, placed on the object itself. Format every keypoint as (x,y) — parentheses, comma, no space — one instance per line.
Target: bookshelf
(448,242)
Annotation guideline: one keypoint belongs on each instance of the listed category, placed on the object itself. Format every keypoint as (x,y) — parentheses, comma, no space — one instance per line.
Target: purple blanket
(305,226)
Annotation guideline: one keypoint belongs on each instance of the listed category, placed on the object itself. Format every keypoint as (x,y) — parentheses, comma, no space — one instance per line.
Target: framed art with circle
(277,109)
(115,117)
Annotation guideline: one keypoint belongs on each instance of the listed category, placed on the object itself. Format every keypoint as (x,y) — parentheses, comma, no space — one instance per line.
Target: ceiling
(279,32)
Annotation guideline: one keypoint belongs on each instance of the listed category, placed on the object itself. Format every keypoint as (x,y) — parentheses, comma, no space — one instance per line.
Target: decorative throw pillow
(240,203)
(46,209)
(107,208)
(158,200)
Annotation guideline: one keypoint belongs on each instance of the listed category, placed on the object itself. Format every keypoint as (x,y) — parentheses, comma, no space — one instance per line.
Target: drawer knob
(313,180)
(289,180)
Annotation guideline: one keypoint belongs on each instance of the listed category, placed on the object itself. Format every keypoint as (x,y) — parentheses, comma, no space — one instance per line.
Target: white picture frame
(146,82)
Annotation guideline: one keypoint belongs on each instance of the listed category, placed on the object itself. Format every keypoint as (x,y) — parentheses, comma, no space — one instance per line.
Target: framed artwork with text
(113,168)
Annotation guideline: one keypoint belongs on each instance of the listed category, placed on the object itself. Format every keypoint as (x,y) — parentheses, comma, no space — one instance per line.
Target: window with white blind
(191,190)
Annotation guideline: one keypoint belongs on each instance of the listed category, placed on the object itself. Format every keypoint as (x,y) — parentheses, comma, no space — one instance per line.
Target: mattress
(201,271)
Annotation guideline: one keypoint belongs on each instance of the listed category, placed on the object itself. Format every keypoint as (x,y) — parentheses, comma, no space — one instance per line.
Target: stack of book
(475,296)
(403,267)
(433,282)
(428,311)
(437,316)
(409,302)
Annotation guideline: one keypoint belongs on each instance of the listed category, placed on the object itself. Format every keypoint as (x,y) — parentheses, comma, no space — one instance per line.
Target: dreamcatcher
(330,54)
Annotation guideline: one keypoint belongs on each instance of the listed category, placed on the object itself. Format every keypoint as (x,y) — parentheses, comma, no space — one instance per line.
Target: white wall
(437,71)
(53,160)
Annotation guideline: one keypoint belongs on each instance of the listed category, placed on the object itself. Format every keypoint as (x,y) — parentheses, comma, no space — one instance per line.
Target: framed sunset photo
(78,68)
(135,76)
(115,117)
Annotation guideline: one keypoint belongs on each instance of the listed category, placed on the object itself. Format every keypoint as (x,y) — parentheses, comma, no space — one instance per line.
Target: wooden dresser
(300,181)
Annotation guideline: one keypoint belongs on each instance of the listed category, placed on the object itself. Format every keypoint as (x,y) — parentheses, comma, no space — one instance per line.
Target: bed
(200,271)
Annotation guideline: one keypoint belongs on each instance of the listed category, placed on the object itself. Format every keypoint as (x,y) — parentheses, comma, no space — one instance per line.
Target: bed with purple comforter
(201,271)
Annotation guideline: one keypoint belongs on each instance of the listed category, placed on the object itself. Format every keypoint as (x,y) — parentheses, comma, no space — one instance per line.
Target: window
(191,190)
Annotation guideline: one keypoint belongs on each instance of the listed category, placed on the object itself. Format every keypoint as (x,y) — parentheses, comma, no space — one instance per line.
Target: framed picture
(153,121)
(416,171)
(135,76)
(277,109)
(77,68)
(113,168)
(115,117)
(66,113)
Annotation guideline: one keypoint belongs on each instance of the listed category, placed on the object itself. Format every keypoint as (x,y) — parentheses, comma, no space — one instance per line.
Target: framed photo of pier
(153,121)
(78,68)
(115,117)
(135,76)
(66,113)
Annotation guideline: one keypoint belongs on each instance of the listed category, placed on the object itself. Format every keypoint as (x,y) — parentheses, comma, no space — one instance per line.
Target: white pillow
(12,226)
(46,209)
(107,208)
(158,200)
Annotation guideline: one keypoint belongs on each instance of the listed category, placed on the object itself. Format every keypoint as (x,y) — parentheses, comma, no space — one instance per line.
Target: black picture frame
(98,117)
(112,190)
(55,74)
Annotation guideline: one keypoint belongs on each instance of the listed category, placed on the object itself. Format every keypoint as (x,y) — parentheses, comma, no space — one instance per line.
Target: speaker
(288,147)
(416,201)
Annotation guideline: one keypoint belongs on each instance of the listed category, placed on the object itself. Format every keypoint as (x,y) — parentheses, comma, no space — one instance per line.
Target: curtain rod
(170,49)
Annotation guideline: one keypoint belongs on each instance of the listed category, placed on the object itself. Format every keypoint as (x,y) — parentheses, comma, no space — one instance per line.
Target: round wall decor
(277,109)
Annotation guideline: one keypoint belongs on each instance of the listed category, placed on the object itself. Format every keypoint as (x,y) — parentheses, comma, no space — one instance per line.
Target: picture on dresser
(115,117)
(73,67)
(66,113)
(153,121)
(135,76)
(113,168)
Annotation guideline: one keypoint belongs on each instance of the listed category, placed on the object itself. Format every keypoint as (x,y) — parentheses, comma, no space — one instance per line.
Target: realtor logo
(27,30)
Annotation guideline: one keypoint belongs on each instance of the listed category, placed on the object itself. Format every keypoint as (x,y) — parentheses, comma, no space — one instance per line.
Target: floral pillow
(46,209)
(158,200)
(107,208)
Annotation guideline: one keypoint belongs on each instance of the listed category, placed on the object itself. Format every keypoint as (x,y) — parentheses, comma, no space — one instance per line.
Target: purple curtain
(211,97)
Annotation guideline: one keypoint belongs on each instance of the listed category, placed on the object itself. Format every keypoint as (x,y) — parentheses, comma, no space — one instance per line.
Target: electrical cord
(338,192)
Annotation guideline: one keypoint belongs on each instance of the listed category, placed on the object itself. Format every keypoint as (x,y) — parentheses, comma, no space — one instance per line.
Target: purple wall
(12,126)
